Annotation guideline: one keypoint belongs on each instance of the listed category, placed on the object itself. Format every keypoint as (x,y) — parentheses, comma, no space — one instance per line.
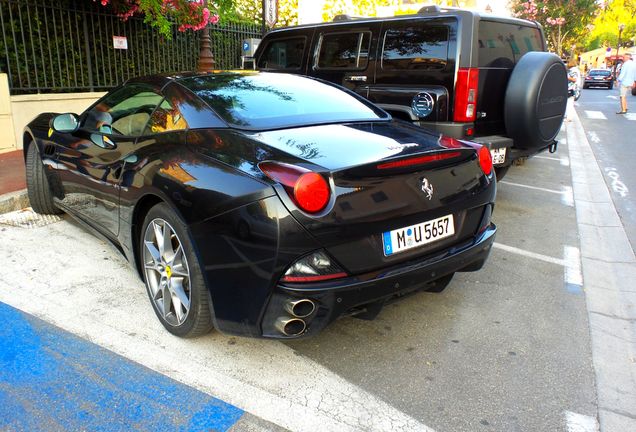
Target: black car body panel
(246,228)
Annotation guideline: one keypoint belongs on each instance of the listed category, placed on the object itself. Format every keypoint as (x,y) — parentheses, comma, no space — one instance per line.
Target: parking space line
(571,262)
(563,159)
(532,187)
(573,272)
(538,256)
(567,195)
(580,423)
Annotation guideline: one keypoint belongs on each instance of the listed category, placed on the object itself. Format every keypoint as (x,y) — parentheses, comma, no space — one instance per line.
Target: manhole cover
(27,218)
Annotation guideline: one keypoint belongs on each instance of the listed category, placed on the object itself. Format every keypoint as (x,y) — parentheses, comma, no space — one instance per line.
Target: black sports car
(264,204)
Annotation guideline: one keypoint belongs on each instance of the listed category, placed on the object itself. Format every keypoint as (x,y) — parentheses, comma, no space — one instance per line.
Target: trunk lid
(385,177)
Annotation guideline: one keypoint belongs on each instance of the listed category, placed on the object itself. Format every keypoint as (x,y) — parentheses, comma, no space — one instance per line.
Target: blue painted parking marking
(52,380)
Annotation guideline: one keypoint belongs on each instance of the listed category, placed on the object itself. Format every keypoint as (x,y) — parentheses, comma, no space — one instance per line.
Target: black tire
(439,285)
(611,86)
(38,187)
(584,86)
(634,91)
(536,98)
(198,319)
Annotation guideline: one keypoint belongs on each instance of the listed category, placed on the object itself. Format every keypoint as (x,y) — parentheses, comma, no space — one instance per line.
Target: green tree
(604,28)
(252,11)
(564,21)
(364,8)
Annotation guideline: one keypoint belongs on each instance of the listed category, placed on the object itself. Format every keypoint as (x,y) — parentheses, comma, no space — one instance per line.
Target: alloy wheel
(167,272)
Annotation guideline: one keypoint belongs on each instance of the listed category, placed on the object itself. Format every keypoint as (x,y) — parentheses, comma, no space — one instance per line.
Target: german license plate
(498,155)
(410,237)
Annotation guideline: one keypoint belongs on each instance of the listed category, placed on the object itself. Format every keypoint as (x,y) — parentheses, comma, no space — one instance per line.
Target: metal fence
(67,46)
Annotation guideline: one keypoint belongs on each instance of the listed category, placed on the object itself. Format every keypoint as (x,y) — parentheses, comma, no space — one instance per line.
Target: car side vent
(49,149)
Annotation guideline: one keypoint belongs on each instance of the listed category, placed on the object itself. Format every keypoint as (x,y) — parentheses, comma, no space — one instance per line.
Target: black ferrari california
(264,205)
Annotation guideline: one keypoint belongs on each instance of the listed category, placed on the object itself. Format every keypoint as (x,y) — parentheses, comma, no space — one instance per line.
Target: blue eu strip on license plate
(410,237)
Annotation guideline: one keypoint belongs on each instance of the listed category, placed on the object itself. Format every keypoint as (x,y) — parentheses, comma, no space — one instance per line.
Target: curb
(14,201)
(609,269)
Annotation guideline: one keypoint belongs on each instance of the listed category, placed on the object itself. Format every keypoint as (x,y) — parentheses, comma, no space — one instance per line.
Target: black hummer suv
(470,76)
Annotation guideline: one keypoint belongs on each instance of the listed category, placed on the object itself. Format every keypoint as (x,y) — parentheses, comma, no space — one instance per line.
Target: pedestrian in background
(626,80)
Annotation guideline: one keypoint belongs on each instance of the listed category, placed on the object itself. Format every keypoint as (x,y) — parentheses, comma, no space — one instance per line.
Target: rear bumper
(356,294)
(595,83)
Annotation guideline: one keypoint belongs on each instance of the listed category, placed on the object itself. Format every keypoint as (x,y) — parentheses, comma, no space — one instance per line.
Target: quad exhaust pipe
(290,326)
(300,308)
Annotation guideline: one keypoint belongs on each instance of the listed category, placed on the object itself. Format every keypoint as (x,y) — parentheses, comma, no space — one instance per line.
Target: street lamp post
(206,59)
(621,27)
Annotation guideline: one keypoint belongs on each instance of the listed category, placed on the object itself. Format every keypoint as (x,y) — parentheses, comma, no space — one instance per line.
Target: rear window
(599,72)
(502,44)
(415,48)
(344,51)
(273,100)
(283,54)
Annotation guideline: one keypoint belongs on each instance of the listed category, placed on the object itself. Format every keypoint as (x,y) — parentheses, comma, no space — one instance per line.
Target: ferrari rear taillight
(466,95)
(309,190)
(315,267)
(485,160)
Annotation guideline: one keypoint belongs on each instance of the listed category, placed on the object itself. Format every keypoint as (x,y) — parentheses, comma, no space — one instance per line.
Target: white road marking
(531,187)
(567,196)
(580,423)
(630,116)
(612,97)
(563,159)
(83,286)
(534,255)
(595,115)
(618,186)
(593,137)
(571,261)
(572,258)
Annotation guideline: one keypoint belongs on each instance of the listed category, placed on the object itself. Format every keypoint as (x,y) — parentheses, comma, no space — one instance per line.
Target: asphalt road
(613,140)
(504,349)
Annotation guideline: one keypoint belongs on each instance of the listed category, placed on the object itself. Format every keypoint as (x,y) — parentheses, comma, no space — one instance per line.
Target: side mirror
(102,141)
(67,123)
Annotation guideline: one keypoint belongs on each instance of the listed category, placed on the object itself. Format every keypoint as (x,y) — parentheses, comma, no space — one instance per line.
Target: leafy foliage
(367,8)
(604,28)
(564,21)
(161,14)
(252,11)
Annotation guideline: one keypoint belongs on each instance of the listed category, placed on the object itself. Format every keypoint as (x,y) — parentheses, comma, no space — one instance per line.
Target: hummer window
(283,54)
(415,48)
(501,45)
(344,51)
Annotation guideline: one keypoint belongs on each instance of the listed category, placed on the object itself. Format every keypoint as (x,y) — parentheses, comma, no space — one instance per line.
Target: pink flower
(214,19)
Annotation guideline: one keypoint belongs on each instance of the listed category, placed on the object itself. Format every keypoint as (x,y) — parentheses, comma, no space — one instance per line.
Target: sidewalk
(13,194)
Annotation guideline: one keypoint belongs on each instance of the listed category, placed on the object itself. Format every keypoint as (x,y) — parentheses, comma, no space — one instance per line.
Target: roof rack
(345,17)
(430,9)
(435,9)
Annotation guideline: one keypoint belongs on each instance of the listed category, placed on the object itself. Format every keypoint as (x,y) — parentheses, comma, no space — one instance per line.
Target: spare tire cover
(536,98)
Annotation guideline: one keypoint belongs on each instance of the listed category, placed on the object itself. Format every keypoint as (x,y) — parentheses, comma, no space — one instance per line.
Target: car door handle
(356,78)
